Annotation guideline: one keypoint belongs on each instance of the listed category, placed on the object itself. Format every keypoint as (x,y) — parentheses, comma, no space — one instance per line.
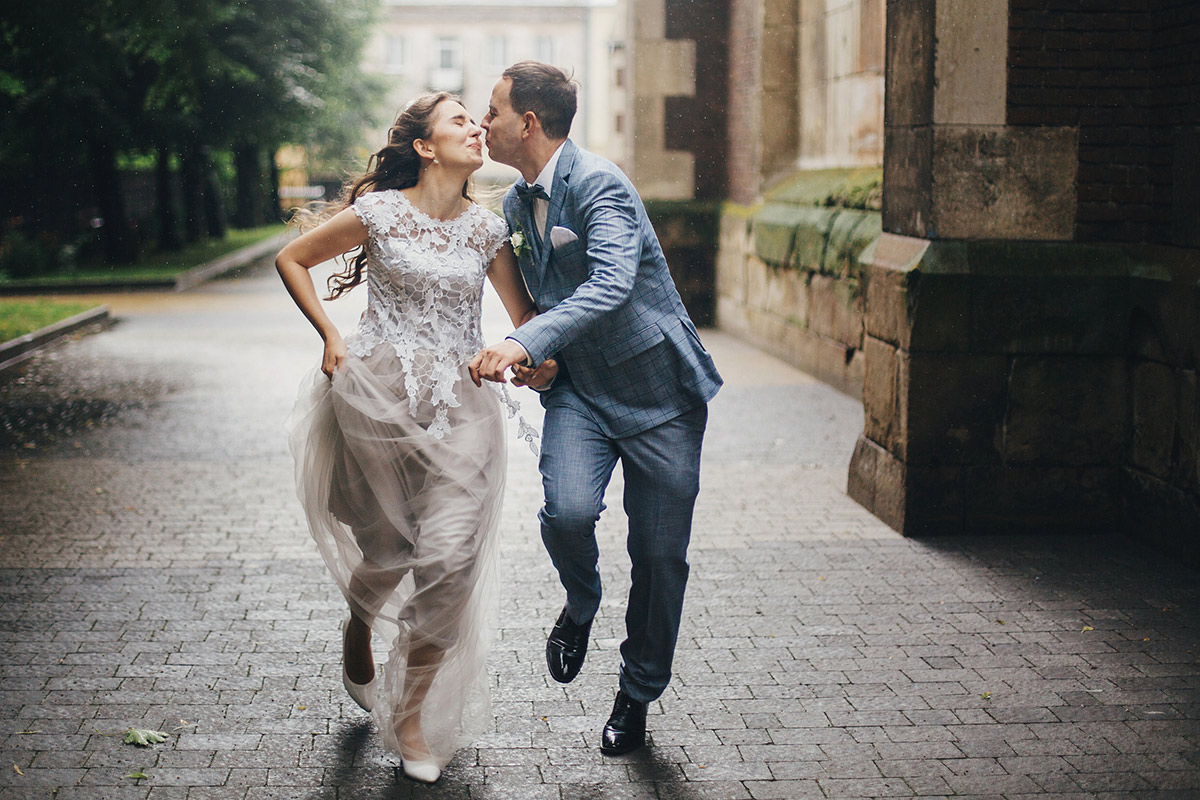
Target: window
(447,53)
(497,52)
(545,49)
(447,72)
(394,53)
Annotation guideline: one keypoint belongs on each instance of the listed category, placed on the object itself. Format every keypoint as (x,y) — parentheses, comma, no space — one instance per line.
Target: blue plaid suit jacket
(608,308)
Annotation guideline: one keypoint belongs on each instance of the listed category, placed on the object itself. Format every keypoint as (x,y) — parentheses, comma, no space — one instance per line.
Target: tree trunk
(275,210)
(214,209)
(115,233)
(168,214)
(247,159)
(193,194)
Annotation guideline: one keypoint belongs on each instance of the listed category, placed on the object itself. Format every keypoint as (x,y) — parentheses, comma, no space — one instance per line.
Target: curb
(15,351)
(180,283)
(229,262)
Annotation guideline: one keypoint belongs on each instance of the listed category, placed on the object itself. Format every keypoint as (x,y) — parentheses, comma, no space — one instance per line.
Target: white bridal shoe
(424,771)
(361,693)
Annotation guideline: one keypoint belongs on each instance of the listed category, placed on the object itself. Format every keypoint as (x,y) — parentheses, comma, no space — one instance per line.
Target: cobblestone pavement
(156,574)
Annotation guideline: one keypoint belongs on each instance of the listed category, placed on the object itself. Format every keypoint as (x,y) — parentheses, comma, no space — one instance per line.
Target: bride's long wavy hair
(395,166)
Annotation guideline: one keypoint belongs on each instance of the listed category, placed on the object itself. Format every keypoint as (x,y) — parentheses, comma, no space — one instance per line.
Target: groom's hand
(490,363)
(539,379)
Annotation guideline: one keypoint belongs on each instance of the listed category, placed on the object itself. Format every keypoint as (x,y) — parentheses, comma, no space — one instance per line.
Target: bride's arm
(344,232)
(505,276)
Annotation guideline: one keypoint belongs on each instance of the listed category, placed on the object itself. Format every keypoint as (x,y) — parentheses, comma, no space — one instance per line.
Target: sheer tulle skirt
(407,526)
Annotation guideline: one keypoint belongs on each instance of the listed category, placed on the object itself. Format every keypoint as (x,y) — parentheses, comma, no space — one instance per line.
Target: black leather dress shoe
(626,728)
(566,648)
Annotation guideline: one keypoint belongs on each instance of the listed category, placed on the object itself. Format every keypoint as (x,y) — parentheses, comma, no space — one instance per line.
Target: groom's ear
(531,123)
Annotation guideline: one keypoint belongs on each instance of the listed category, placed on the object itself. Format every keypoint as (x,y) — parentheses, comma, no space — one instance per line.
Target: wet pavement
(156,573)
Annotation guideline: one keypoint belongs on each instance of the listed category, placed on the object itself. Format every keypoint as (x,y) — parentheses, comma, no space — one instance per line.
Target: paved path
(155,573)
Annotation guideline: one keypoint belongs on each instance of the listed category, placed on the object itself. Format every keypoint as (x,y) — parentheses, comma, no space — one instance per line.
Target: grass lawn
(19,316)
(155,266)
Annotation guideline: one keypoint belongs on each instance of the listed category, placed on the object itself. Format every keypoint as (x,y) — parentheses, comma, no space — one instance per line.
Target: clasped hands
(490,364)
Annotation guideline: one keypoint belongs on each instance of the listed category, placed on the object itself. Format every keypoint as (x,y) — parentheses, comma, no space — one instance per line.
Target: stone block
(860,481)
(1155,414)
(885,314)
(871,35)
(813,122)
(1034,498)
(876,481)
(669,66)
(786,295)
(891,495)
(775,233)
(731,273)
(1166,317)
(731,316)
(756,281)
(907,203)
(936,501)
(1028,314)
(909,56)
(835,309)
(970,72)
(881,399)
(1162,515)
(803,351)
(855,373)
(1004,183)
(849,235)
(887,264)
(938,313)
(954,407)
(1067,411)
(833,364)
(812,235)
(1187,433)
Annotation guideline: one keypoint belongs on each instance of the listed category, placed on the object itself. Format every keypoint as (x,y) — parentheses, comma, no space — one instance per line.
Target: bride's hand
(335,354)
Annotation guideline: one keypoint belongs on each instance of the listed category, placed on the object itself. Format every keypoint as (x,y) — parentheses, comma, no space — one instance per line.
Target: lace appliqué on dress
(424,298)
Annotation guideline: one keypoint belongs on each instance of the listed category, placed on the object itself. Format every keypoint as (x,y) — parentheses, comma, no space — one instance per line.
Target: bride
(400,458)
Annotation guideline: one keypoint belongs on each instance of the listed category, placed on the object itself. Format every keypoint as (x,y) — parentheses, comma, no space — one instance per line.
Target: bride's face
(456,141)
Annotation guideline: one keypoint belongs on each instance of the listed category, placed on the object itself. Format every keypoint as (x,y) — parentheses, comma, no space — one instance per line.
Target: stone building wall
(805,143)
(1031,335)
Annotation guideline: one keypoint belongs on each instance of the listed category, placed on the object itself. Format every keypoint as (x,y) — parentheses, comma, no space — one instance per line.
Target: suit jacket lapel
(558,197)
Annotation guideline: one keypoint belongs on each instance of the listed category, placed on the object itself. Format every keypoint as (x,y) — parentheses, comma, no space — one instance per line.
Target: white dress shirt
(545,179)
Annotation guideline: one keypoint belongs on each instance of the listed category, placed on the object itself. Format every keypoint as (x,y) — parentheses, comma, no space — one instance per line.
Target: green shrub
(25,257)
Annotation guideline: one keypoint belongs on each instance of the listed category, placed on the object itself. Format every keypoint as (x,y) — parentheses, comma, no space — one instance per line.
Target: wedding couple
(398,439)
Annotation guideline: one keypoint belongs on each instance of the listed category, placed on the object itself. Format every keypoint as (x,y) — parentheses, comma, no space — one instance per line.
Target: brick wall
(1124,72)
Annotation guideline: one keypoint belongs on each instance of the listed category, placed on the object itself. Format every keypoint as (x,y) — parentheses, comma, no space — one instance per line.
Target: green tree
(82,85)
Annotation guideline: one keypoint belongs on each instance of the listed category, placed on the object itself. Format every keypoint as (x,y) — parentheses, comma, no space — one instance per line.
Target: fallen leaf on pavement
(144,738)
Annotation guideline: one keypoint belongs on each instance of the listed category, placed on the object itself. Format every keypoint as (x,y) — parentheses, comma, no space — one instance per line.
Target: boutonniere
(520,242)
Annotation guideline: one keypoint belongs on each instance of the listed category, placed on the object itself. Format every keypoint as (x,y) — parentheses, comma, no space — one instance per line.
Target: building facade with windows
(464,45)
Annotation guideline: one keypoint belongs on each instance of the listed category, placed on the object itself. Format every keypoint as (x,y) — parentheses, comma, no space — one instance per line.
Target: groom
(633,383)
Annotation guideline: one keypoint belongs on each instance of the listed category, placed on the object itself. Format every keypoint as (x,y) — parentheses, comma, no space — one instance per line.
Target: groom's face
(503,125)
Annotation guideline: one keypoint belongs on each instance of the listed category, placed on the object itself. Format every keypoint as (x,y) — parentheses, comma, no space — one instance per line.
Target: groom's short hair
(546,91)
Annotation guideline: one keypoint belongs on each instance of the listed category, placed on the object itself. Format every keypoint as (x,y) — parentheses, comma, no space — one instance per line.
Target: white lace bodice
(424,295)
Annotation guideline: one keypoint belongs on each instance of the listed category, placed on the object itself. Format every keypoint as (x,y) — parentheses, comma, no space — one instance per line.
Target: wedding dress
(400,463)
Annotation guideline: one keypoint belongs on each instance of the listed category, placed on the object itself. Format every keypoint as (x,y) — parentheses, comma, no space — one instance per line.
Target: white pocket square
(560,236)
